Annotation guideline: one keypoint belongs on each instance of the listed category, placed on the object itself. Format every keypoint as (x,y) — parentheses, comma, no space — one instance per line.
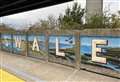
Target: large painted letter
(35,45)
(6,43)
(57,49)
(95,50)
(18,42)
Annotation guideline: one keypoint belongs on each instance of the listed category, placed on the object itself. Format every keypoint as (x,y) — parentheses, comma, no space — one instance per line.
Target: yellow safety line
(8,77)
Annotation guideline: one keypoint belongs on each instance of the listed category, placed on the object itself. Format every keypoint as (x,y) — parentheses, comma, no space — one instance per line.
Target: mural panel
(61,49)
(101,54)
(19,44)
(36,46)
(6,42)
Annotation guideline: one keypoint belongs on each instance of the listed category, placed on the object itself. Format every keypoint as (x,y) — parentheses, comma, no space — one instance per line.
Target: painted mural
(100,54)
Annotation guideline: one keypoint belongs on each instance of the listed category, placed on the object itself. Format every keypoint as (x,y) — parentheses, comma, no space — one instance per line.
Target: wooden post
(12,42)
(27,47)
(47,44)
(77,49)
(0,41)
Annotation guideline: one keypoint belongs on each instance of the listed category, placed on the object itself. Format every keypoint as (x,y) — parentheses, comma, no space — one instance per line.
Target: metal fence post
(77,49)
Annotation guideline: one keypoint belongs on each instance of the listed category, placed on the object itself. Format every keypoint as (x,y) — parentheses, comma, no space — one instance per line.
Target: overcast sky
(22,19)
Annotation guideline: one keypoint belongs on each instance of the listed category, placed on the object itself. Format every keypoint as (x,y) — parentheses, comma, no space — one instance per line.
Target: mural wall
(100,54)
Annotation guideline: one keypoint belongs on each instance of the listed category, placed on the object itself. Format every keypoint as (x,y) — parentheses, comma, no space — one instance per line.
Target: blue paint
(86,41)
(68,42)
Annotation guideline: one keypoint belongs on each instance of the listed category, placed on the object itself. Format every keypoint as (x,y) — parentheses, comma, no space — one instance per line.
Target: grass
(7,77)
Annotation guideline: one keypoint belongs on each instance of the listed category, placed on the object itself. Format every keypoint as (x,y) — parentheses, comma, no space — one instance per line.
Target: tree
(115,21)
(6,28)
(53,23)
(73,17)
(50,23)
(103,21)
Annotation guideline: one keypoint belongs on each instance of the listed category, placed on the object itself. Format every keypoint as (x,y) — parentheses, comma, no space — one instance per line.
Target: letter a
(18,42)
(35,45)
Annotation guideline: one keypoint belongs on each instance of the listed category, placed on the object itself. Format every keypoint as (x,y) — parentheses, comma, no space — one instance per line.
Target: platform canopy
(8,7)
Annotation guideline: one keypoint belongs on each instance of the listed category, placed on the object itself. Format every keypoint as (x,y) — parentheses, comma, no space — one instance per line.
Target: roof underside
(8,7)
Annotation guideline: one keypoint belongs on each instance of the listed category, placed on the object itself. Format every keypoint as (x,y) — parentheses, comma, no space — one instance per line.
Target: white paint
(6,43)
(57,49)
(35,45)
(95,50)
(18,42)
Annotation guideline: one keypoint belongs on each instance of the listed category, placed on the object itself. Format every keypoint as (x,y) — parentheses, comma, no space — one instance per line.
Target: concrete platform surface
(34,70)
